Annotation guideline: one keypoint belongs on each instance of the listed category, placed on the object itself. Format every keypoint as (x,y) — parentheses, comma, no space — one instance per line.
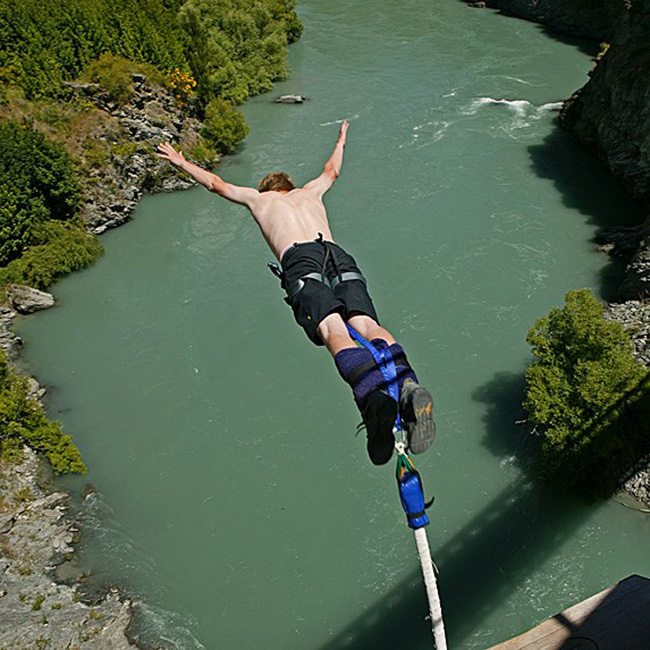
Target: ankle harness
(363,369)
(409,482)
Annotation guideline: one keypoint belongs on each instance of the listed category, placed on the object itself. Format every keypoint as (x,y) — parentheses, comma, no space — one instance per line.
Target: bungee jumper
(330,301)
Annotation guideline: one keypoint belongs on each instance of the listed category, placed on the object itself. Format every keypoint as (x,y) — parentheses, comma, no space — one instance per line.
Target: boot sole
(419,421)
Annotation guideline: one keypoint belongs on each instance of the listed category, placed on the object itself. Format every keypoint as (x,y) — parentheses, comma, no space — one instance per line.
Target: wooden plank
(617,618)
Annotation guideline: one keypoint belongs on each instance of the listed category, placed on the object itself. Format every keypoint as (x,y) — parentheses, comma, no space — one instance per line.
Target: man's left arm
(242,195)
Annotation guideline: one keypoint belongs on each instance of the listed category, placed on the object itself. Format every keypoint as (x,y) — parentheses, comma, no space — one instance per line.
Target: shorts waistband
(298,244)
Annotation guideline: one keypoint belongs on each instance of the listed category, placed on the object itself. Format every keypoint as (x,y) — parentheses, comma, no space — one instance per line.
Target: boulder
(27,299)
(290,99)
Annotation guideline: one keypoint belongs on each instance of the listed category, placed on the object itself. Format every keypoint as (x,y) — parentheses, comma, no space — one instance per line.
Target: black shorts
(312,300)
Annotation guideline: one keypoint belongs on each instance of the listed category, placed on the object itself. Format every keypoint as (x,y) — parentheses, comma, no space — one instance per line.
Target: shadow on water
(587,46)
(489,558)
(587,186)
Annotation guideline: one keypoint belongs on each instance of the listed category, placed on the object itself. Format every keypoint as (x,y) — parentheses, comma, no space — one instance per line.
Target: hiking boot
(379,413)
(416,411)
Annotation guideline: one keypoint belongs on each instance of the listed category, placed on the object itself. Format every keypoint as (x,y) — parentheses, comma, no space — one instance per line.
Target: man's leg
(369,329)
(334,334)
(415,403)
(377,409)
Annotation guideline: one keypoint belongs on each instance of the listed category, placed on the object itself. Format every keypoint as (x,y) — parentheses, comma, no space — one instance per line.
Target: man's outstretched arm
(244,195)
(332,167)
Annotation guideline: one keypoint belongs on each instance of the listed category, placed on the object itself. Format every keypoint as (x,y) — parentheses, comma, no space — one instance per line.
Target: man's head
(276,182)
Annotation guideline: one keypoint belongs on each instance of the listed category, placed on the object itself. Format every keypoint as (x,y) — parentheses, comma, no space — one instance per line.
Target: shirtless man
(326,290)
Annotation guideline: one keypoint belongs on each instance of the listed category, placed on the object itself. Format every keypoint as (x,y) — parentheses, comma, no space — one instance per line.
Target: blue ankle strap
(384,360)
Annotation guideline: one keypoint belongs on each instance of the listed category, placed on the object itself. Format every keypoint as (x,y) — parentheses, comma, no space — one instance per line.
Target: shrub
(114,74)
(585,392)
(64,248)
(224,126)
(22,421)
(182,84)
(37,182)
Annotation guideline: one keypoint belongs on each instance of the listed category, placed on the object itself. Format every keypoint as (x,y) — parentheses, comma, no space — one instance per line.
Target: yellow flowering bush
(182,83)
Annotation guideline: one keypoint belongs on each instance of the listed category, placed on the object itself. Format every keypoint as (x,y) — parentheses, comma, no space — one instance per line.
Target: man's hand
(343,132)
(167,152)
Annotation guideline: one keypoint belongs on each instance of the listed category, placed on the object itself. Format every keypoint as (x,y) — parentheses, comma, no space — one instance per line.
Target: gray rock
(83,88)
(6,522)
(34,390)
(152,115)
(34,610)
(637,280)
(290,99)
(27,299)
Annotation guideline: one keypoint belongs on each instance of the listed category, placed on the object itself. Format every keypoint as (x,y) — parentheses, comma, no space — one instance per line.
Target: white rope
(435,609)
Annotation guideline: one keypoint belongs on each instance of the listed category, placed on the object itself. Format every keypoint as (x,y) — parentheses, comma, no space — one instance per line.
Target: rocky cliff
(587,18)
(611,114)
(122,165)
(611,117)
(36,541)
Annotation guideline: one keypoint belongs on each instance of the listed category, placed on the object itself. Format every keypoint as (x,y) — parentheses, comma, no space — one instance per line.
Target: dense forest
(209,54)
(233,48)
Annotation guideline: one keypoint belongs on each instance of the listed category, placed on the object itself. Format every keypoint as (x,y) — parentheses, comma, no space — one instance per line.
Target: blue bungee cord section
(410,491)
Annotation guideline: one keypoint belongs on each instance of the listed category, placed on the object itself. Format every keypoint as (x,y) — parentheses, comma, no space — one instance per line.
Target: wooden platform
(617,618)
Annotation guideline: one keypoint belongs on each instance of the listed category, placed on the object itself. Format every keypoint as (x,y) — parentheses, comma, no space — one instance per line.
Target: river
(234,501)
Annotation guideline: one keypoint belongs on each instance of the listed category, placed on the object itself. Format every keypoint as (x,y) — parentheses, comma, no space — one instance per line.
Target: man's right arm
(332,167)
(243,195)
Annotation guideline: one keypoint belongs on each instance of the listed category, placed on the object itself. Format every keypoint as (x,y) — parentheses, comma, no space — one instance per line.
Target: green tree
(37,183)
(582,389)
(224,126)
(237,48)
(45,42)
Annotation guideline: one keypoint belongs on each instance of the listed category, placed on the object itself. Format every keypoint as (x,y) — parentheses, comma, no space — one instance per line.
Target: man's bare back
(284,217)
(289,217)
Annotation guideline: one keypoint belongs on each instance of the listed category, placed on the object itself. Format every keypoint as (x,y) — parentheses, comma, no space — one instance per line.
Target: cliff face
(126,166)
(587,18)
(611,117)
(611,114)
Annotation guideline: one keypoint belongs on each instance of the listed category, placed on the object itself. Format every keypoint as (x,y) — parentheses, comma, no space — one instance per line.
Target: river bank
(96,103)
(41,604)
(608,117)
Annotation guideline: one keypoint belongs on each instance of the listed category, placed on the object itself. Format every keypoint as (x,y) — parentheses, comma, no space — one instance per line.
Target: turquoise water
(234,502)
